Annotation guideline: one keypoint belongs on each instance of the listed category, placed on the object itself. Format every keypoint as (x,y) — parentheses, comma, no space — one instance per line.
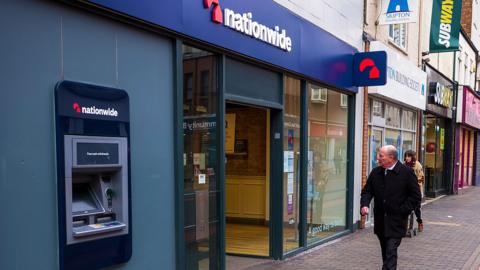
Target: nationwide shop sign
(262,30)
(399,11)
(445,26)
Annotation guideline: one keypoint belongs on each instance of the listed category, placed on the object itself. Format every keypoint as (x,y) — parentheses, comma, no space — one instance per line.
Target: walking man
(396,192)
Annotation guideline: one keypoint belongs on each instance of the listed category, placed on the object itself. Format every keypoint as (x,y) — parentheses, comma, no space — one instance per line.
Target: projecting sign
(399,11)
(370,68)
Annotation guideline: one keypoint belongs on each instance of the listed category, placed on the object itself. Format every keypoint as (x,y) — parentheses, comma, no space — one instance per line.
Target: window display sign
(290,204)
(288,161)
(290,139)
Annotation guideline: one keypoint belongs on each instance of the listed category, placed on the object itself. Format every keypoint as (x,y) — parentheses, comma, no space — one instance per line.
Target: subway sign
(440,95)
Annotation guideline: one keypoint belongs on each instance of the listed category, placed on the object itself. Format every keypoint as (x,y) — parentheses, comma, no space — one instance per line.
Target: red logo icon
(217,16)
(374,71)
(77,107)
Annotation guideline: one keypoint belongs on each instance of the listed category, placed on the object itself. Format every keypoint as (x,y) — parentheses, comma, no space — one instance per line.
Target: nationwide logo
(370,63)
(245,24)
(94,110)
(77,107)
(217,16)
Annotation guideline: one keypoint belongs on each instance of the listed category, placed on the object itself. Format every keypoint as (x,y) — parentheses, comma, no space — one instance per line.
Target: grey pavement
(451,240)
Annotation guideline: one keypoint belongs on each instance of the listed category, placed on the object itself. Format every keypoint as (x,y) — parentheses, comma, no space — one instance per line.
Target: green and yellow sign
(445,26)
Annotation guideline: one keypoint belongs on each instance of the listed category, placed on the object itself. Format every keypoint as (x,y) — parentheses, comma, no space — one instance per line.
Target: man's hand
(364,211)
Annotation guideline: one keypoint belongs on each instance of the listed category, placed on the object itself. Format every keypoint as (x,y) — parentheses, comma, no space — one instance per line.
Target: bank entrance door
(247,180)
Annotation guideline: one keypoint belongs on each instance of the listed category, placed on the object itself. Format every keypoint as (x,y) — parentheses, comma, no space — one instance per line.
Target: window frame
(392,37)
(319,94)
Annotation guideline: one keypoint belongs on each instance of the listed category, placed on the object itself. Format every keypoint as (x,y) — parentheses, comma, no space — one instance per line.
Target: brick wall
(467,16)
(250,126)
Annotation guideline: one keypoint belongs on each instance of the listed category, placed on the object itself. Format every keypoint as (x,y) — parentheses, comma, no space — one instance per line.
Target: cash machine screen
(83,200)
(97,153)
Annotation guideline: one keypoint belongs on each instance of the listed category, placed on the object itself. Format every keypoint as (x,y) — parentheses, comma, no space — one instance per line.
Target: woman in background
(410,159)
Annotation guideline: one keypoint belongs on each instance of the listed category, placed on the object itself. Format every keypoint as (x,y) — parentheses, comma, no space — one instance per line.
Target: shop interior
(247,180)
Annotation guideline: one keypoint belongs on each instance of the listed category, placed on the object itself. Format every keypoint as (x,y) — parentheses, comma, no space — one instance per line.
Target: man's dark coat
(396,196)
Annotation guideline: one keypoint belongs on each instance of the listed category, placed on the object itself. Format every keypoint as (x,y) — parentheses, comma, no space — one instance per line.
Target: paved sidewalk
(451,240)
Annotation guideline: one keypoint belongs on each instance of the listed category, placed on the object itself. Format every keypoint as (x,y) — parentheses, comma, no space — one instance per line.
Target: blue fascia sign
(370,68)
(262,30)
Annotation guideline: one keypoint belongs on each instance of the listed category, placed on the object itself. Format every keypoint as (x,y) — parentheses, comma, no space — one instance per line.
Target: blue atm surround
(77,110)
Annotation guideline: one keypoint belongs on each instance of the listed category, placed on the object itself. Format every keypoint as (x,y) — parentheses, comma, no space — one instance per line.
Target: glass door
(430,157)
(291,166)
(201,192)
(440,155)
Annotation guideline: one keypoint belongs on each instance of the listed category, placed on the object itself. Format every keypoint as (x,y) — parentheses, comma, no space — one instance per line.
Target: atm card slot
(104,218)
(80,221)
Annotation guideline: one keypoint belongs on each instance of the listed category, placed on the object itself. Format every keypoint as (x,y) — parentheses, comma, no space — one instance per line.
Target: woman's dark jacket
(395,195)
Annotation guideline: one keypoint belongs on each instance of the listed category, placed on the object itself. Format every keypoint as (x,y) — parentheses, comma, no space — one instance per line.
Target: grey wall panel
(251,84)
(29,69)
(42,43)
(89,49)
(145,71)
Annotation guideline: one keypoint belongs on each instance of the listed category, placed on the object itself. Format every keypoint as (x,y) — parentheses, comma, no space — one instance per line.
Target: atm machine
(93,179)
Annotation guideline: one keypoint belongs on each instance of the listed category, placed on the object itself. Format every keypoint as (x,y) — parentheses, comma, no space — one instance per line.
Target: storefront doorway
(435,150)
(247,180)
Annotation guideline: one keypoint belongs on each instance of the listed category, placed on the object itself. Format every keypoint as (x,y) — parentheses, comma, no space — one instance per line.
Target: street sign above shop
(370,68)
(406,83)
(440,94)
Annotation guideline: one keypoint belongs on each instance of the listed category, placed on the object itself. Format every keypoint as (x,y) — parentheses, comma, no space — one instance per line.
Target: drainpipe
(453,171)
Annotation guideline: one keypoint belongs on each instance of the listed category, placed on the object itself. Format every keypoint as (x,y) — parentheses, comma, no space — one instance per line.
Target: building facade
(394,111)
(449,72)
(241,120)
(466,152)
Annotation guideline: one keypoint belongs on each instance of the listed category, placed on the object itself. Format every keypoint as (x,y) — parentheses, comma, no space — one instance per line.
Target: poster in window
(290,204)
(229,133)
(290,139)
(290,183)
(288,161)
(442,139)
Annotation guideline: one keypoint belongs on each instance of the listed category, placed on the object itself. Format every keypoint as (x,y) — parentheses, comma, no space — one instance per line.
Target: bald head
(387,156)
(391,151)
